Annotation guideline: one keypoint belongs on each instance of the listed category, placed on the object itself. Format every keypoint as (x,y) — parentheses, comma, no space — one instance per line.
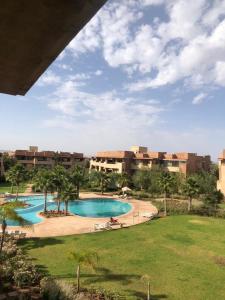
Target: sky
(141,72)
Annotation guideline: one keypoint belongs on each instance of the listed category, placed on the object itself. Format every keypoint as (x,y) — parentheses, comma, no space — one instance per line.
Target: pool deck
(69,225)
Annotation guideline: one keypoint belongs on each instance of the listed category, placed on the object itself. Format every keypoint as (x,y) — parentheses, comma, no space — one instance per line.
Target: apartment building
(139,157)
(221,165)
(35,158)
(1,165)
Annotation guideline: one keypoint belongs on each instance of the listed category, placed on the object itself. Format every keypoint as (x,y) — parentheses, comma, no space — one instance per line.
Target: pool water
(94,208)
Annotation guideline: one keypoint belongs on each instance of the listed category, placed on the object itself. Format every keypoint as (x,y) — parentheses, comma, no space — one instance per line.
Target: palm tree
(9,175)
(8,212)
(191,189)
(89,259)
(44,181)
(77,178)
(167,183)
(102,179)
(59,176)
(16,175)
(68,194)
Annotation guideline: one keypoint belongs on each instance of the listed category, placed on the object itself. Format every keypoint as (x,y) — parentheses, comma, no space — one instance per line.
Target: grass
(6,187)
(183,255)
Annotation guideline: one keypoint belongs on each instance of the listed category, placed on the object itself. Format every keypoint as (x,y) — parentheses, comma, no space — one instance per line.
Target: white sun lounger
(102,226)
(147,215)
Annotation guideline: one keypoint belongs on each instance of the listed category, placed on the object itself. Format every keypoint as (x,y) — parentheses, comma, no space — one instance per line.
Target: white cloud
(199,98)
(49,78)
(186,47)
(98,73)
(105,117)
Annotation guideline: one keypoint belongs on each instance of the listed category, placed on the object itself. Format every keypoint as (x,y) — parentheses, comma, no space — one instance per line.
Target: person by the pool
(113,221)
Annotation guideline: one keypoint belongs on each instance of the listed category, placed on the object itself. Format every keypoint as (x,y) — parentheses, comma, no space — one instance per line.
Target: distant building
(221,181)
(1,165)
(139,157)
(34,158)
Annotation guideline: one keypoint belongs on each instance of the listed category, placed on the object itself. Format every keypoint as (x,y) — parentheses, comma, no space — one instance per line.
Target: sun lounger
(102,226)
(148,215)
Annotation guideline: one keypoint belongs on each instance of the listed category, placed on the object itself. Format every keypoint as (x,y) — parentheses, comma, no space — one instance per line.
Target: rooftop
(33,34)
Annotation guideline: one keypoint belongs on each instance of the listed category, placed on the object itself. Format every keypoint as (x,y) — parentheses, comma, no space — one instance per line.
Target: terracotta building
(221,181)
(140,157)
(34,158)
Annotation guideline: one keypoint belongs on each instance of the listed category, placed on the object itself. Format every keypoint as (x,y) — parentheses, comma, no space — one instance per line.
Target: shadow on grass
(33,243)
(141,295)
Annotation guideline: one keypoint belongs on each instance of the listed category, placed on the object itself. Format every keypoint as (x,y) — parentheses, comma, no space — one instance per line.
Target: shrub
(16,267)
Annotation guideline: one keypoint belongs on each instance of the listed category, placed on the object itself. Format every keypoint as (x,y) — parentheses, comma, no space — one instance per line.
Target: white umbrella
(125,189)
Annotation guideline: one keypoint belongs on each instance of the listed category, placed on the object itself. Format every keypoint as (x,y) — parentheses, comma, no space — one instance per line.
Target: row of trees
(67,183)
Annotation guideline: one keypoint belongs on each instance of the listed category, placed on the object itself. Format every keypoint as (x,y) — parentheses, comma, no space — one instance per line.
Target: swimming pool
(92,207)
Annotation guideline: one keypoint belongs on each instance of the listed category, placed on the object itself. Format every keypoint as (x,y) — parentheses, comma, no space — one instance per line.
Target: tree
(212,199)
(88,258)
(8,212)
(10,178)
(8,161)
(77,178)
(142,179)
(44,181)
(168,184)
(68,193)
(146,279)
(102,179)
(191,189)
(16,175)
(59,176)
(122,179)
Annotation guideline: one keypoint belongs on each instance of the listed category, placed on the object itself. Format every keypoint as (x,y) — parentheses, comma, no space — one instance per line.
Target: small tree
(146,279)
(44,181)
(8,212)
(191,189)
(89,259)
(59,175)
(77,177)
(16,175)
(213,199)
(167,183)
(142,179)
(69,193)
(100,178)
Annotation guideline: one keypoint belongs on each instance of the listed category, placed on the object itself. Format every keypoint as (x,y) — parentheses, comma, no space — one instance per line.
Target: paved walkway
(60,226)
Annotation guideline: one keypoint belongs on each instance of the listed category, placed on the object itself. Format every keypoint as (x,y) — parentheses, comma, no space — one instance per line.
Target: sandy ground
(60,226)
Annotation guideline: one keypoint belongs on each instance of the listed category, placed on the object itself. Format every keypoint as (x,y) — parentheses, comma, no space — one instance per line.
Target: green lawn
(183,255)
(6,187)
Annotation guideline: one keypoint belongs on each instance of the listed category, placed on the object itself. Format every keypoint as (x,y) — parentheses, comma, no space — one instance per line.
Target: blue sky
(147,72)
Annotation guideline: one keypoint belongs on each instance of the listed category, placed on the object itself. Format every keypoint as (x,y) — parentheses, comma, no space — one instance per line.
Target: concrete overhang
(33,33)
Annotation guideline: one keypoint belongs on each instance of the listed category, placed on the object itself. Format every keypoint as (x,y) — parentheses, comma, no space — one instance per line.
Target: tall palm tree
(9,175)
(191,189)
(101,178)
(69,193)
(59,176)
(167,183)
(77,178)
(8,212)
(44,181)
(89,259)
(16,175)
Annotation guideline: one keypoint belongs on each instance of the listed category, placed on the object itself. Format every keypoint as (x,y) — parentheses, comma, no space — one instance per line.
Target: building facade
(139,157)
(34,158)
(221,165)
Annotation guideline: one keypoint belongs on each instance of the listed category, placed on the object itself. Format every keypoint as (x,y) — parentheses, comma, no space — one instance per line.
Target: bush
(16,267)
